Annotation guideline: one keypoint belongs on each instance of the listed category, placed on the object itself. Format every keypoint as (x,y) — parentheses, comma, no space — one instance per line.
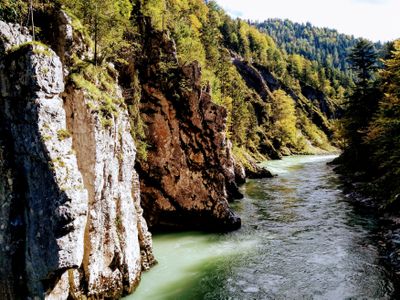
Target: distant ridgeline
(326,46)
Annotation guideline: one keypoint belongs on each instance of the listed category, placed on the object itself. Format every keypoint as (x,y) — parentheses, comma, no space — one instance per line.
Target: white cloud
(372,19)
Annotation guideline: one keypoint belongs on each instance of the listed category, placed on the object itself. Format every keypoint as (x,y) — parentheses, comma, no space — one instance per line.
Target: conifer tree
(384,132)
(362,104)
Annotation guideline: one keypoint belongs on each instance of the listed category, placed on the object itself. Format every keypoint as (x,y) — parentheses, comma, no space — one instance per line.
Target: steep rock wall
(189,174)
(117,242)
(71,221)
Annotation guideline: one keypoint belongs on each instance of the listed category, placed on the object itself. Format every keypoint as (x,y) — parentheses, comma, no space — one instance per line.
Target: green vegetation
(105,21)
(137,124)
(383,133)
(371,125)
(38,48)
(58,161)
(99,85)
(322,46)
(292,113)
(363,101)
(14,10)
(63,134)
(284,115)
(204,32)
(326,46)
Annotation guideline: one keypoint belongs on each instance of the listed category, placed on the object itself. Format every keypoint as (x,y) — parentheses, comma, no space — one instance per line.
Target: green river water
(300,239)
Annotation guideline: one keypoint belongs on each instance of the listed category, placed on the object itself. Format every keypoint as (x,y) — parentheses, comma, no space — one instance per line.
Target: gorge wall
(71,221)
(189,175)
(71,217)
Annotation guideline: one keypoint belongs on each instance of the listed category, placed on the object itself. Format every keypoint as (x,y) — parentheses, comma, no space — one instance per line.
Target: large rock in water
(189,174)
(71,224)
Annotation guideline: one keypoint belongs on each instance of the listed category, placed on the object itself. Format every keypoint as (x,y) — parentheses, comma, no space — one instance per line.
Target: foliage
(63,134)
(106,21)
(363,101)
(205,33)
(323,45)
(137,125)
(284,118)
(14,10)
(372,126)
(202,31)
(383,135)
(100,86)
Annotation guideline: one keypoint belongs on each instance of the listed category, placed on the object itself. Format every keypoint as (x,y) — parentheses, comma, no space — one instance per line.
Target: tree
(284,115)
(362,103)
(363,60)
(384,131)
(106,21)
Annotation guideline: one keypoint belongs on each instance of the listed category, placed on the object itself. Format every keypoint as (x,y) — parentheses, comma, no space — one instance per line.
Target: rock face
(70,217)
(115,229)
(189,174)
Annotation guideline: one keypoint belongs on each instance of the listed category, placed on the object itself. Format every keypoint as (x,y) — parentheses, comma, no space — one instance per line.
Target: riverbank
(388,221)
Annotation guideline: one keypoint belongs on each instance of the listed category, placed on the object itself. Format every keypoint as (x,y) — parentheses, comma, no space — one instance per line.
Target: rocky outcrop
(12,35)
(117,242)
(55,199)
(71,221)
(313,102)
(324,104)
(189,174)
(253,78)
(11,231)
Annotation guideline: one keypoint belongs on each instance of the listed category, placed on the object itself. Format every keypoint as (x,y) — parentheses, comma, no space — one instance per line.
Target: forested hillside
(121,118)
(371,123)
(326,47)
(277,103)
(369,71)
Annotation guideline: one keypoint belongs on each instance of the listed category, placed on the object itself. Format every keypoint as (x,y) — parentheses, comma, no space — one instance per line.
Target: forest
(313,77)
(297,115)
(370,69)
(120,119)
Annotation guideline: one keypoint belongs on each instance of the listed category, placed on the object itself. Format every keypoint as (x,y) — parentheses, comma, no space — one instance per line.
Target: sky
(377,20)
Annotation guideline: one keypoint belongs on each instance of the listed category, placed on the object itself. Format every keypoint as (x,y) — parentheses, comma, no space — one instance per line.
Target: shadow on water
(193,265)
(208,282)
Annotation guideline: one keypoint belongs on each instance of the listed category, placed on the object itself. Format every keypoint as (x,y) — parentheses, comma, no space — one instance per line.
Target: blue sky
(372,19)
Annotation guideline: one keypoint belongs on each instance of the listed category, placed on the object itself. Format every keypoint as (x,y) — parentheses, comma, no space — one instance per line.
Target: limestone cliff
(70,219)
(189,175)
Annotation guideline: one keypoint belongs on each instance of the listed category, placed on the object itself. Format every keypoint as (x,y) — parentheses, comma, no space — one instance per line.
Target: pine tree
(363,59)
(363,102)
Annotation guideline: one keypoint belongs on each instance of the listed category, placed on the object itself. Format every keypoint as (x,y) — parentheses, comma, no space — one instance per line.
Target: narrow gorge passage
(300,239)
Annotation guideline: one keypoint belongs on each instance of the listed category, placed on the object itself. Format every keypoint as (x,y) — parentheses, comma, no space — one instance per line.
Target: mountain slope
(326,47)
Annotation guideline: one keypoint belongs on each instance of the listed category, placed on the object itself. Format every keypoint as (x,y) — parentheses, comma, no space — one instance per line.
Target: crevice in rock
(79,124)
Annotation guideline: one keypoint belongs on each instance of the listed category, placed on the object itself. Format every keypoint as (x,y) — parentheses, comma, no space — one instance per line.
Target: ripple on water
(300,240)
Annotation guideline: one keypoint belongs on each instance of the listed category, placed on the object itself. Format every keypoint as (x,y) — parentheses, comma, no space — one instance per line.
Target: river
(300,239)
